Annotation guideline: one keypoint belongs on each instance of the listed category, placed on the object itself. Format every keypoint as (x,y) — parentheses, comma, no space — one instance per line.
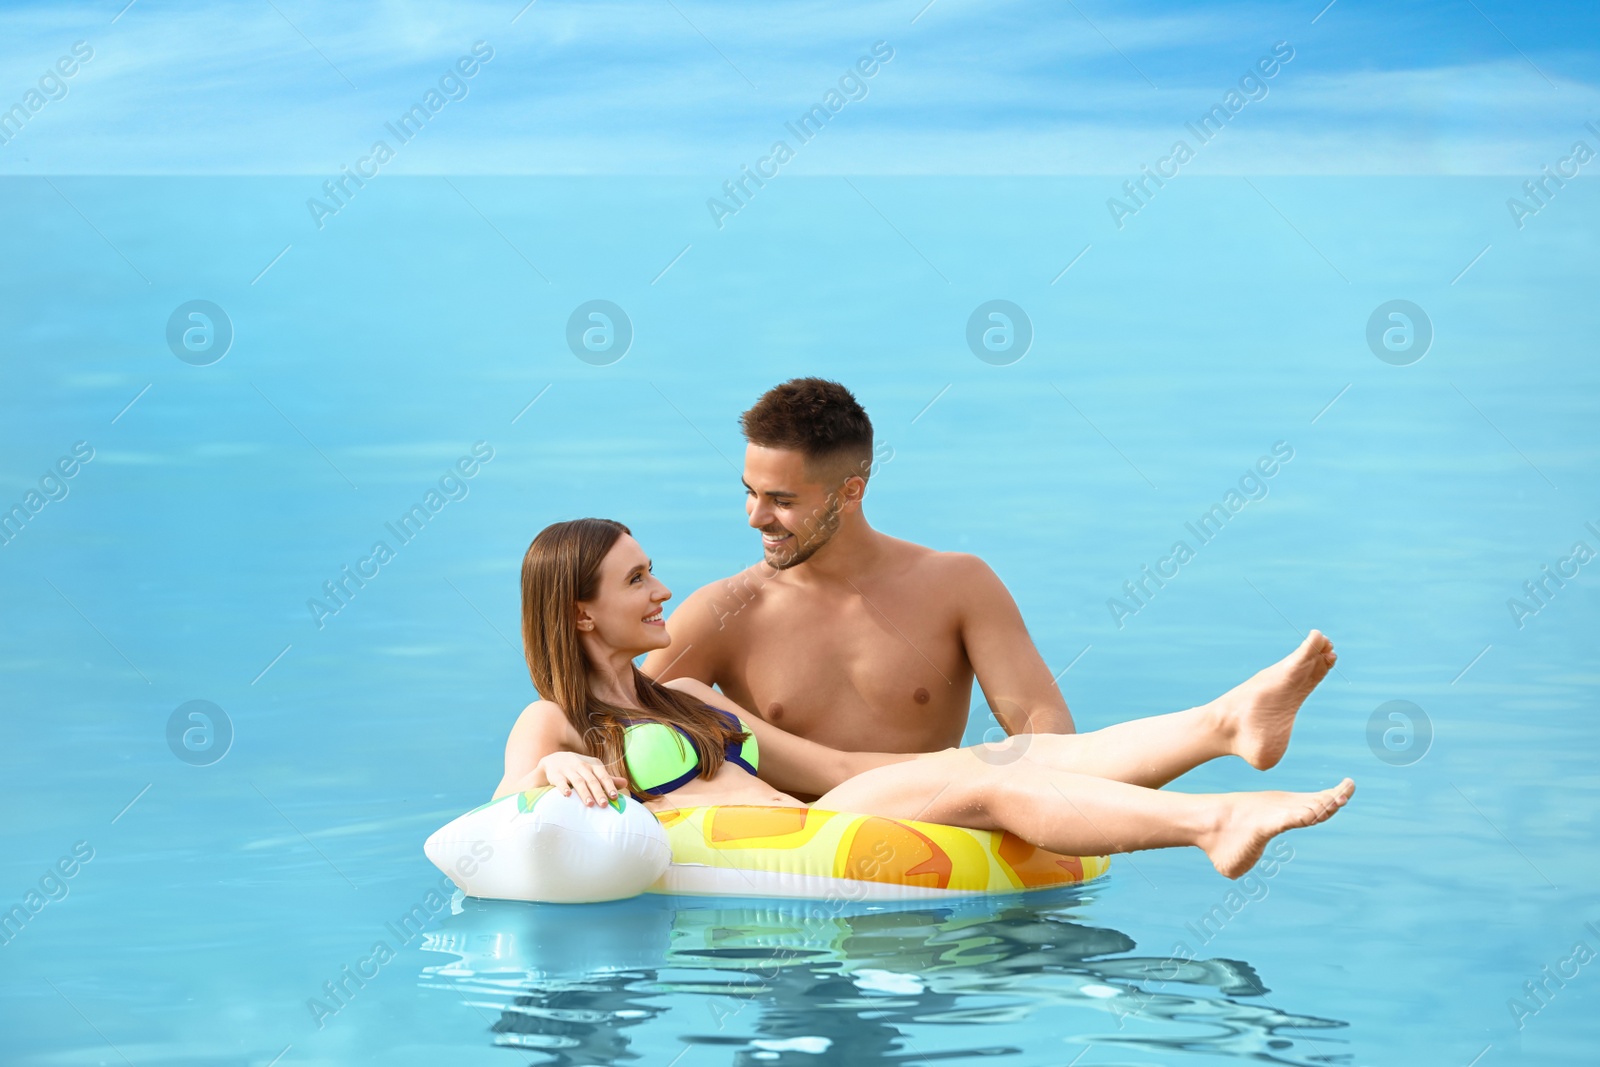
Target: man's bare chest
(855,673)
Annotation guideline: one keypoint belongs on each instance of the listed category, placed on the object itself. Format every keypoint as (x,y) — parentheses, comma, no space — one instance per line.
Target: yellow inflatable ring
(755,851)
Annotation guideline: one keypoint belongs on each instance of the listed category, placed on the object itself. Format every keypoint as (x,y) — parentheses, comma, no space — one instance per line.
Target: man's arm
(1013,676)
(699,630)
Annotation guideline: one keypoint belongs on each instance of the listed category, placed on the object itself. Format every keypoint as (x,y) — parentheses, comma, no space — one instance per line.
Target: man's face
(796,515)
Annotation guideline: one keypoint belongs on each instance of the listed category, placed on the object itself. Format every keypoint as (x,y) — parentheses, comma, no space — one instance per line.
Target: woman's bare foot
(1250,820)
(1259,714)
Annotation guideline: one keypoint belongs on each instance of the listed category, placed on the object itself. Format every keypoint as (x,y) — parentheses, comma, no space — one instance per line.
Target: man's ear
(853,490)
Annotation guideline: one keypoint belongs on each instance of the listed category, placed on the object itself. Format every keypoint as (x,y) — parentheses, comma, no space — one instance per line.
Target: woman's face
(625,613)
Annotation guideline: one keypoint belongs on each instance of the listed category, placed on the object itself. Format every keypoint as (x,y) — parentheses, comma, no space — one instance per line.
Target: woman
(590,605)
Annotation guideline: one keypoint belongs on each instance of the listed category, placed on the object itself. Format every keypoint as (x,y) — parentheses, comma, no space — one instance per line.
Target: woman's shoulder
(541,729)
(544,718)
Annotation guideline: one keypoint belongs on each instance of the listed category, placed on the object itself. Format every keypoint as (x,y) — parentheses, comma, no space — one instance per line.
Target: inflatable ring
(541,845)
(748,851)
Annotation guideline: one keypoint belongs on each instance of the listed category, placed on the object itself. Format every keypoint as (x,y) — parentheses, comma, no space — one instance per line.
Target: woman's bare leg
(1080,815)
(1252,720)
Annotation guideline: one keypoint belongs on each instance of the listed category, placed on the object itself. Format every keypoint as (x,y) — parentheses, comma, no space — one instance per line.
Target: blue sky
(690,87)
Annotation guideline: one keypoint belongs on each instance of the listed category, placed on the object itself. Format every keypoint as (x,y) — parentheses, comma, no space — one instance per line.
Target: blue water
(372,355)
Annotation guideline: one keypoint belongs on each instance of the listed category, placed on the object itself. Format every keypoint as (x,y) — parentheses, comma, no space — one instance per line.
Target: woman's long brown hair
(562,567)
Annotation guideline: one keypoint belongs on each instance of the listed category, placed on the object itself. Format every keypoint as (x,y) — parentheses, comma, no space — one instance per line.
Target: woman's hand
(572,772)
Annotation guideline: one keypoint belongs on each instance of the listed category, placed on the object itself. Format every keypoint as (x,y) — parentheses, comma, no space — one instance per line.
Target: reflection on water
(811,982)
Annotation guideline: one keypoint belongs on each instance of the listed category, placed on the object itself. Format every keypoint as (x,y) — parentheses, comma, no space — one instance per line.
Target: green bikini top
(661,758)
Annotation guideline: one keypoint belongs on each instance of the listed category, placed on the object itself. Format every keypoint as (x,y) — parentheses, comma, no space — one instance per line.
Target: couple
(845,664)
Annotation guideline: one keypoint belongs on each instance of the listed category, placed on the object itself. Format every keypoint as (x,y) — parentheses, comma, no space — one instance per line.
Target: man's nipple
(920,696)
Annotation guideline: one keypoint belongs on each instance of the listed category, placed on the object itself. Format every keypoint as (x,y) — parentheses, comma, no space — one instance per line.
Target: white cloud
(630,88)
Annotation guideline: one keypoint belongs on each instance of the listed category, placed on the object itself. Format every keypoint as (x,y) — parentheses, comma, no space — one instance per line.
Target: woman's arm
(543,730)
(792,763)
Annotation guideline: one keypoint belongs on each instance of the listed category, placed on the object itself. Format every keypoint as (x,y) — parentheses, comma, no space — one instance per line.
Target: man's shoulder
(710,617)
(737,588)
(958,567)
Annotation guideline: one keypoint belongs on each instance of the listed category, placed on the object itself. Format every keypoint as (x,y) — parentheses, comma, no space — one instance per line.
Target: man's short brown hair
(819,419)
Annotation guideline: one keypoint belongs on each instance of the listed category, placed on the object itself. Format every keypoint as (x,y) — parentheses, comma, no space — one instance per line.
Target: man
(842,634)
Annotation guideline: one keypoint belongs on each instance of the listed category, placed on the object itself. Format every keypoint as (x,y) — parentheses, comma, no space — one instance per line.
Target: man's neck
(850,553)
